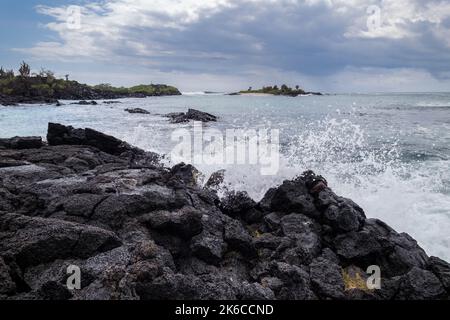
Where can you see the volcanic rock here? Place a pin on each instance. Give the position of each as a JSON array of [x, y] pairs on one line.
[[192, 114], [21, 143], [138, 230], [137, 111]]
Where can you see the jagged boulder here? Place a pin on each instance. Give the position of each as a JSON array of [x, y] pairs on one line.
[[215, 180], [209, 245], [326, 279], [379, 244], [291, 196], [185, 222], [192, 114], [236, 203], [238, 238], [33, 241], [66, 135], [442, 270], [419, 284], [296, 283], [304, 234], [344, 216], [185, 173]]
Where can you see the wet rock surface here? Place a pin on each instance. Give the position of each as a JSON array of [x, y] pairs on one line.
[[138, 230], [21, 143], [192, 114], [8, 100], [66, 135], [86, 103], [137, 111]]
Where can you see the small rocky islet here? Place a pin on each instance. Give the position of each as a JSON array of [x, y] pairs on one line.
[[139, 230], [283, 90]]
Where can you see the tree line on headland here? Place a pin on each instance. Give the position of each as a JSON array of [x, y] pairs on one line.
[[45, 87], [284, 90]]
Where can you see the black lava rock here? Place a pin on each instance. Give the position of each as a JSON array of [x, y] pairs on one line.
[[138, 230], [192, 114], [136, 110]]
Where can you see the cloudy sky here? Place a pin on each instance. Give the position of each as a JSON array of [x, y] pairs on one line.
[[224, 45]]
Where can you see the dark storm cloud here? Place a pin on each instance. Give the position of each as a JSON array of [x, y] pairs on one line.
[[314, 38]]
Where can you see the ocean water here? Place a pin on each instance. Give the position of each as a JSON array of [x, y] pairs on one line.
[[390, 153]]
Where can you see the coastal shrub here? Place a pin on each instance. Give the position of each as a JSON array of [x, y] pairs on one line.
[[42, 89], [47, 74], [6, 74], [103, 86], [4, 82], [7, 91], [153, 89]]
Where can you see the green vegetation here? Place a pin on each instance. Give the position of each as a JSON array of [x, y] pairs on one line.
[[44, 85], [284, 90], [6, 74], [144, 90]]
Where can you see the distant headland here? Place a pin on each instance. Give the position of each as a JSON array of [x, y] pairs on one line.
[[44, 87], [284, 90]]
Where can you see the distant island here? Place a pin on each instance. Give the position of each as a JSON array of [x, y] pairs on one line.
[[284, 90], [44, 87]]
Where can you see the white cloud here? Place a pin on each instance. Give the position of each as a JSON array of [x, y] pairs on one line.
[[105, 24], [318, 41], [397, 18]]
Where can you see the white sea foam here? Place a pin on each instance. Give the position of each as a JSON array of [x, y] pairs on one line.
[[411, 197], [193, 93]]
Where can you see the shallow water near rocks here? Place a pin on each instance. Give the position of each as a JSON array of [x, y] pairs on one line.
[[390, 153]]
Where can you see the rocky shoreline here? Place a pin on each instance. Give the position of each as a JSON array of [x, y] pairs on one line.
[[93, 95], [138, 230], [45, 88]]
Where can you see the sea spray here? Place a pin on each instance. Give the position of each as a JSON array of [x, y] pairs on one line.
[[404, 195], [387, 152]]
